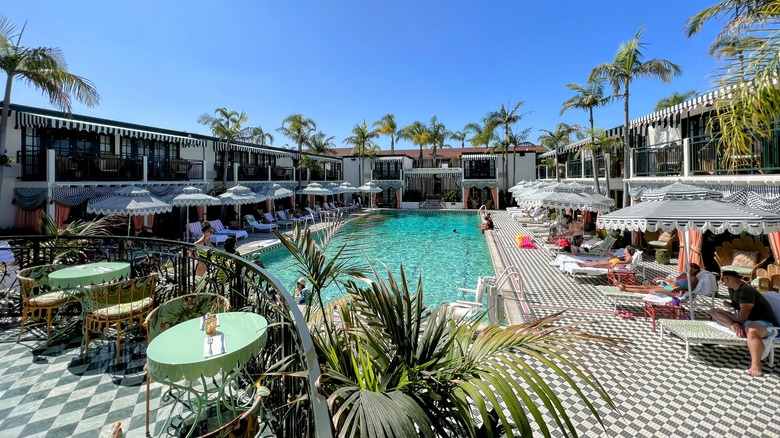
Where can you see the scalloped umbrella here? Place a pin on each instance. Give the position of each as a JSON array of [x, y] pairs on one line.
[[193, 197], [238, 196], [276, 191], [701, 215], [370, 187], [128, 201], [680, 191]]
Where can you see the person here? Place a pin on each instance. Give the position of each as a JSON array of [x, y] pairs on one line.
[[205, 240], [754, 316], [621, 260], [301, 292], [230, 246], [487, 224], [455, 230], [574, 228], [678, 284]]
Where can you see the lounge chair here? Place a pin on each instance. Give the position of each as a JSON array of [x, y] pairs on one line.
[[612, 294], [219, 228], [710, 332], [252, 224], [626, 275], [272, 220], [196, 233], [461, 309], [283, 217], [706, 286]]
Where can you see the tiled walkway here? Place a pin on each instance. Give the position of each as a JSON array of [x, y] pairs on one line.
[[657, 392], [54, 392]]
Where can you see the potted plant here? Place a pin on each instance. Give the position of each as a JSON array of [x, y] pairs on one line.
[[5, 161]]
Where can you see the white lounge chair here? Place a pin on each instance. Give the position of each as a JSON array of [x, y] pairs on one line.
[[272, 220], [629, 270], [196, 233], [219, 228], [706, 286], [283, 217], [253, 224]]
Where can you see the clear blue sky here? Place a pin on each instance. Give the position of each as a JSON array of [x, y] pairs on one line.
[[163, 63]]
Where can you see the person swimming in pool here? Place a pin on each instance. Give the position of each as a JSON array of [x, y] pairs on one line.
[[678, 284]]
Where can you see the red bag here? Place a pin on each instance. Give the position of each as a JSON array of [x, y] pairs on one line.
[[562, 243]]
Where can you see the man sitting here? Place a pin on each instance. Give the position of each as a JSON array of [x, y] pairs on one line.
[[754, 316]]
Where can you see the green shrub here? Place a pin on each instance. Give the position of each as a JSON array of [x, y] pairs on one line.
[[452, 195]]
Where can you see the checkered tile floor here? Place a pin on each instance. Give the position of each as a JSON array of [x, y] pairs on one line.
[[54, 392], [656, 391]]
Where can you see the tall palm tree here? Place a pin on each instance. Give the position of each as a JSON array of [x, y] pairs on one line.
[[629, 64], [228, 126], [673, 99], [749, 33], [608, 144], [387, 126], [557, 139], [437, 135], [460, 136], [362, 142], [256, 135], [43, 68], [298, 129], [588, 97], [418, 134], [506, 119], [482, 135], [322, 144]]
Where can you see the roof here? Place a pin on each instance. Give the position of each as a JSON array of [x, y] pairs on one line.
[[441, 153]]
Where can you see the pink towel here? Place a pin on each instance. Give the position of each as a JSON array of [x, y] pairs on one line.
[[526, 243]]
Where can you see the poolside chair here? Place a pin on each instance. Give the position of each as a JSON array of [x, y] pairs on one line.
[[173, 312], [706, 286], [335, 208], [252, 224], [710, 332], [38, 299], [196, 233], [612, 294], [122, 304], [627, 274], [272, 220], [219, 228], [283, 217], [461, 309]]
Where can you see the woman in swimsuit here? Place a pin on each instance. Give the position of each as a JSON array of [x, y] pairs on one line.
[[623, 259], [678, 284]]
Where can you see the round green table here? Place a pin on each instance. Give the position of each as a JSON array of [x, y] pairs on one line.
[[91, 273], [177, 355]]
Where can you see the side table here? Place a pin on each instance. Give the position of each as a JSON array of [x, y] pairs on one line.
[[656, 307]]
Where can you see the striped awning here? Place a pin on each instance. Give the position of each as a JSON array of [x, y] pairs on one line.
[[24, 119], [220, 146], [426, 172], [478, 157], [388, 158], [673, 113]]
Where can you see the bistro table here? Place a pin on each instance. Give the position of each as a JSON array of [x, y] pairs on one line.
[[91, 273], [176, 358]]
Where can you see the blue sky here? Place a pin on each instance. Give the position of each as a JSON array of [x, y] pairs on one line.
[[339, 62]]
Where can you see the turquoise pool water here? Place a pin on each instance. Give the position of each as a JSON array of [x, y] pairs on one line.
[[423, 241]]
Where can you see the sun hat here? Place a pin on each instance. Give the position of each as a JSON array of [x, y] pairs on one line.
[[301, 281]]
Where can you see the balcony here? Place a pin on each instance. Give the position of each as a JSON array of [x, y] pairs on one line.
[[574, 169], [479, 174], [256, 173], [665, 159], [386, 174], [107, 168]]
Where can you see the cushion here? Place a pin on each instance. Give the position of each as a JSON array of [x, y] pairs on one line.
[[123, 310], [745, 259], [49, 299], [741, 270], [665, 237]]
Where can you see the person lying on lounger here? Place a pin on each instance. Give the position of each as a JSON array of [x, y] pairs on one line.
[[623, 259], [678, 284]]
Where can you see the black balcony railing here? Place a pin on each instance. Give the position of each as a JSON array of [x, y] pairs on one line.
[[177, 170], [479, 174], [286, 365], [759, 158], [386, 174], [107, 168], [574, 169], [664, 159], [33, 166], [599, 163]]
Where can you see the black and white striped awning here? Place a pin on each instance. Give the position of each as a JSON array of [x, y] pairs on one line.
[[220, 146], [388, 158], [466, 157], [24, 119], [672, 114]]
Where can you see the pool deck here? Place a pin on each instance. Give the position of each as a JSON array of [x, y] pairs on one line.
[[54, 392], [656, 391]]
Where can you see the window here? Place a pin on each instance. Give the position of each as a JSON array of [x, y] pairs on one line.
[[134, 147], [32, 140], [106, 144]]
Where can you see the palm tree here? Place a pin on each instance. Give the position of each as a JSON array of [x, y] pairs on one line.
[[43, 68], [673, 99], [507, 119], [322, 144], [298, 129], [256, 135], [228, 126], [393, 367], [629, 64], [387, 126], [418, 134], [547, 163], [746, 117], [460, 136], [437, 135], [608, 144], [362, 143], [589, 96], [483, 135], [557, 139]]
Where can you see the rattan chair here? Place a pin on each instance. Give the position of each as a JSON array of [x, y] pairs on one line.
[[124, 304], [38, 300]]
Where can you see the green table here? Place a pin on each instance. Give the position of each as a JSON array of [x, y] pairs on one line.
[[91, 273], [175, 358]]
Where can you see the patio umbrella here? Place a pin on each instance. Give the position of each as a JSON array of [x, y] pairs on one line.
[[370, 187], [193, 197], [314, 189], [346, 187], [276, 191], [701, 215], [238, 196], [680, 191], [128, 201]]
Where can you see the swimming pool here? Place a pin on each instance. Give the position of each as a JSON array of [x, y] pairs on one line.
[[446, 248]]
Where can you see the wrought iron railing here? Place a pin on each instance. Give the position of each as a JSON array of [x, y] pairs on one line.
[[663, 159], [708, 159], [287, 362], [107, 168], [574, 168], [386, 174], [599, 163]]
